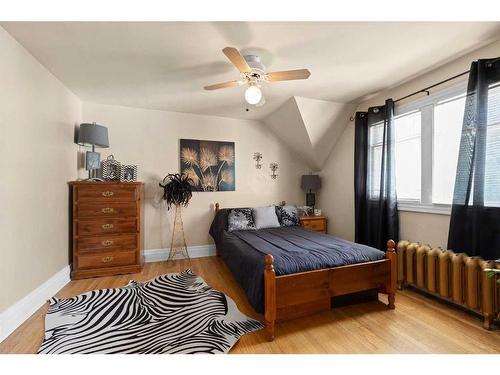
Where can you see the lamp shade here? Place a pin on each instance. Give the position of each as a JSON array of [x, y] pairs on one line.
[[93, 135], [310, 182]]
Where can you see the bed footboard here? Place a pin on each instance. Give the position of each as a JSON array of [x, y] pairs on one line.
[[391, 284], [305, 293], [270, 297]]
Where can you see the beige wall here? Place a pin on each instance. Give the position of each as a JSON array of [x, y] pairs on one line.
[[150, 139], [337, 195], [37, 156], [431, 229]]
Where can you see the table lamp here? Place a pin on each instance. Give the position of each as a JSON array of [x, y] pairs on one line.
[[310, 183], [93, 135]]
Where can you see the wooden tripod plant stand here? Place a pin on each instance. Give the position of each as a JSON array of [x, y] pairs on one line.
[[178, 243]]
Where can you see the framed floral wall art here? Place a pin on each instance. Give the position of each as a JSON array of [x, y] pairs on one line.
[[210, 164]]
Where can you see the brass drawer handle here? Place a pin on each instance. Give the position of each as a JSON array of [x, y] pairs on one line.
[[107, 210], [107, 259], [107, 193], [107, 243], [107, 226]]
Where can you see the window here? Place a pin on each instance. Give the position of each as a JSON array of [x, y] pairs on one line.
[[426, 167], [448, 117], [492, 165], [427, 135], [407, 156], [375, 139]]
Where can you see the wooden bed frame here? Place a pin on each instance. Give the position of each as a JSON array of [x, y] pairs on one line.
[[305, 293]]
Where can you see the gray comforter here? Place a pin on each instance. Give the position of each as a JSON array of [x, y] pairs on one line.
[[294, 249]]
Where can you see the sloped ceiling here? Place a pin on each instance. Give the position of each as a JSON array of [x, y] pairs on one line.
[[164, 65], [310, 127]]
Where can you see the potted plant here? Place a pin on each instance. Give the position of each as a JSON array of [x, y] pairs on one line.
[[177, 191], [491, 272]]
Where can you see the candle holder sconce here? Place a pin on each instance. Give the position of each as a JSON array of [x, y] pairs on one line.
[[257, 156], [274, 168]]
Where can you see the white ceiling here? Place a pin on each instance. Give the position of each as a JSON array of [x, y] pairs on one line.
[[165, 65]]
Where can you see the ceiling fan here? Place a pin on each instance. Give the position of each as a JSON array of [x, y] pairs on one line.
[[253, 74]]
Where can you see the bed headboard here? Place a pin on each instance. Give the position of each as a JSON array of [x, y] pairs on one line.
[[217, 205]]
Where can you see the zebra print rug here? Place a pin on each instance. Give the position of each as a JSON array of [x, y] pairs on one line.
[[174, 313]]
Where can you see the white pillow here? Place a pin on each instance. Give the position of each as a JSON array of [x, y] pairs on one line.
[[265, 217]]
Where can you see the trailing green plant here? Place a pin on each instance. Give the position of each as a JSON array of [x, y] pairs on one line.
[[491, 272], [177, 189]]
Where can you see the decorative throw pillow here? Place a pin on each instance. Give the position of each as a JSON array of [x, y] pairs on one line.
[[240, 219], [265, 217], [288, 215]]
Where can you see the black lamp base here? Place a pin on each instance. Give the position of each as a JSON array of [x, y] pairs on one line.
[[311, 200]]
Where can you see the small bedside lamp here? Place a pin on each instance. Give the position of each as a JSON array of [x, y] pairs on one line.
[[93, 135], [310, 183]]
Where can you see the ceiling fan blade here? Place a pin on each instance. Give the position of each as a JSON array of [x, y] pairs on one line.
[[287, 75], [222, 85], [236, 59]]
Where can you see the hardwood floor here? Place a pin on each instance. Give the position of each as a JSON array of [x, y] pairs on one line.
[[417, 325]]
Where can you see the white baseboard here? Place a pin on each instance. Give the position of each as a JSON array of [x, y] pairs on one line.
[[15, 315], [158, 255]]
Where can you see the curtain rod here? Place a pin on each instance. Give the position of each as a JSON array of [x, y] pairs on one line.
[[426, 89]]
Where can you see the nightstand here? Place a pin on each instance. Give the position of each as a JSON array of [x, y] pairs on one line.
[[316, 223]]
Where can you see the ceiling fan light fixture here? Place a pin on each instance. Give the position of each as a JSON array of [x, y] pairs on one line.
[[262, 101], [253, 73], [253, 95]]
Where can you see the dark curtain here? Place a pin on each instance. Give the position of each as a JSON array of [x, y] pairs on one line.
[[475, 221], [376, 212]]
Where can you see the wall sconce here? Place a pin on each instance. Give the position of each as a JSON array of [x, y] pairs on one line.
[[274, 168], [257, 156]]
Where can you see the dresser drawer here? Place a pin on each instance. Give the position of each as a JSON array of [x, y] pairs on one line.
[[318, 225], [307, 224], [106, 209], [119, 242], [106, 259], [106, 192], [105, 226]]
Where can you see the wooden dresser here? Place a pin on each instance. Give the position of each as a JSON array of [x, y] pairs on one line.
[[316, 223], [106, 228]]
